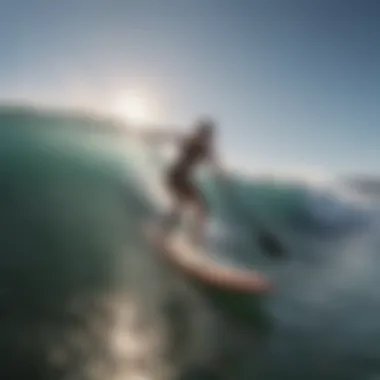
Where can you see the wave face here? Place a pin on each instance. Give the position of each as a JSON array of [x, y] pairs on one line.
[[83, 294]]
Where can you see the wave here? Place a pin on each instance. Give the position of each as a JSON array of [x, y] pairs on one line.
[[83, 294], [251, 201], [242, 200]]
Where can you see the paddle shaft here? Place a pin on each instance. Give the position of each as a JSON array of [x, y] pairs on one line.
[[266, 239]]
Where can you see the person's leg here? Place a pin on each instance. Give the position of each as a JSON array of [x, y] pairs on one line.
[[185, 194], [177, 193], [172, 219], [198, 207], [198, 231]]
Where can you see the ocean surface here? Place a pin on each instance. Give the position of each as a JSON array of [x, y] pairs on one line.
[[84, 296]]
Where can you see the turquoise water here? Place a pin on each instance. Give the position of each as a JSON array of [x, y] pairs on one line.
[[83, 295]]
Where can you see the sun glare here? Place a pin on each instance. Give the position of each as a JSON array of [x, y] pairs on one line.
[[133, 109]]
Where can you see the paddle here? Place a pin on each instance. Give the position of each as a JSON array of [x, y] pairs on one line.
[[267, 240], [270, 244]]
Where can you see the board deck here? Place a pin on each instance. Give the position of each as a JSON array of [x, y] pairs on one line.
[[194, 261]]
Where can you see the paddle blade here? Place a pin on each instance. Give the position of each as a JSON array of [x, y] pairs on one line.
[[271, 245]]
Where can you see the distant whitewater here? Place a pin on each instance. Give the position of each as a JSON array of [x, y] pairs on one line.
[[83, 294]]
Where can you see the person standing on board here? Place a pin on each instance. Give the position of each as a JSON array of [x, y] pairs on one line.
[[194, 149]]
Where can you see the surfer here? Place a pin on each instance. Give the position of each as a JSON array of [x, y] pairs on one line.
[[194, 149]]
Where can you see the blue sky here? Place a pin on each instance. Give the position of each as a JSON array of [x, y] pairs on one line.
[[293, 83]]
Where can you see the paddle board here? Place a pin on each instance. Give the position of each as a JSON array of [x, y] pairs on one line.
[[193, 260]]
